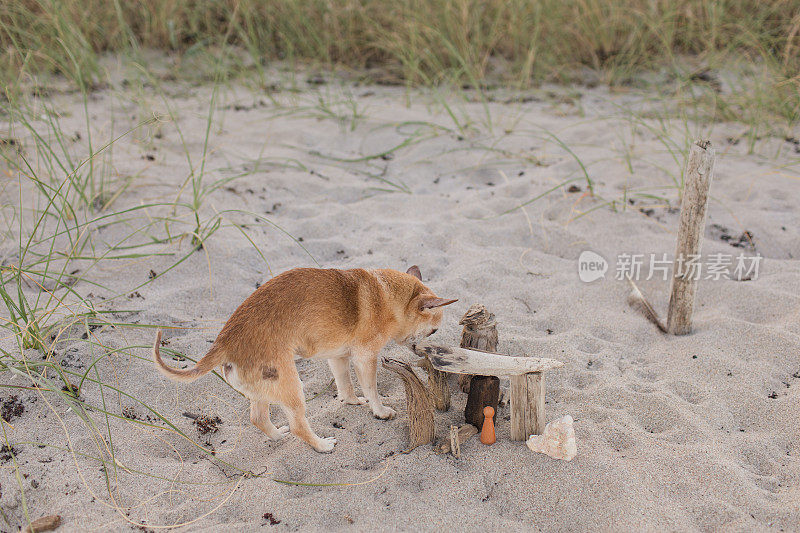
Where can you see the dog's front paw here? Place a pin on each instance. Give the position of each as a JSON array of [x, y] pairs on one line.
[[384, 413], [325, 445], [355, 400], [279, 433]]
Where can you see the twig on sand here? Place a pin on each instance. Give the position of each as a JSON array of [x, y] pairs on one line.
[[638, 301], [458, 436]]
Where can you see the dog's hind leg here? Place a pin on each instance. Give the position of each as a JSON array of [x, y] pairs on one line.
[[259, 416], [289, 392]]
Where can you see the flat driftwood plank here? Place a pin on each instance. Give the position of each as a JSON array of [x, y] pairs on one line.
[[464, 361]]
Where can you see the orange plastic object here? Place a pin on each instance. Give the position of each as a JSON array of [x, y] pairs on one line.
[[487, 431]]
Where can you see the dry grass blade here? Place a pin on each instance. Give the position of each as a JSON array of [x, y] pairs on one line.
[[637, 300]]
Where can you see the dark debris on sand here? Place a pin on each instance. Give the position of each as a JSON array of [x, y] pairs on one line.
[[745, 240], [205, 424], [7, 453], [269, 517], [11, 408]]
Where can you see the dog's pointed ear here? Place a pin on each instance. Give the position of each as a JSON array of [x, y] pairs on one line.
[[414, 271], [432, 301]]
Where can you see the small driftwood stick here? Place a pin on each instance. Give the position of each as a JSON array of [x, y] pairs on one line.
[[418, 403], [699, 173], [455, 445], [479, 333], [437, 385], [463, 434], [527, 405]]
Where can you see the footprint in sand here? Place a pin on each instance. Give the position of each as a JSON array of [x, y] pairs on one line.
[[583, 380], [619, 438], [655, 415], [641, 388], [688, 391], [761, 467], [590, 346]]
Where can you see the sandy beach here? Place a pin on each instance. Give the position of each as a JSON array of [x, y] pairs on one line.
[[490, 198]]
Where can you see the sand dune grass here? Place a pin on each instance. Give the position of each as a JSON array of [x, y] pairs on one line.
[[422, 42]]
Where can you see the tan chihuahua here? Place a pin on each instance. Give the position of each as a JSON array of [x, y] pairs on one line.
[[338, 315]]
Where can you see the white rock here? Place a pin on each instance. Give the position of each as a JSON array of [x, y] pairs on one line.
[[557, 441]]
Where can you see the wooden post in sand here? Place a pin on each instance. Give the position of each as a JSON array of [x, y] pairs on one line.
[[699, 173], [526, 373], [480, 333], [527, 405]]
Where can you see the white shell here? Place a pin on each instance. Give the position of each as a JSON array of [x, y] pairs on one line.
[[557, 441]]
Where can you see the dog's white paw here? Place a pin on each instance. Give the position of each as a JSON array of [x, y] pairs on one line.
[[385, 413], [279, 433], [355, 400], [325, 445]]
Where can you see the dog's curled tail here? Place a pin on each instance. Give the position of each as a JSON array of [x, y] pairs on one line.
[[209, 362]]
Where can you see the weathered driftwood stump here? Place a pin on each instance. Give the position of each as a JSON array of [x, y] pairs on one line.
[[437, 385], [418, 404], [526, 373], [479, 333]]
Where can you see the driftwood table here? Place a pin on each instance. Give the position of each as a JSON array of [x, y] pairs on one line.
[[526, 373]]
